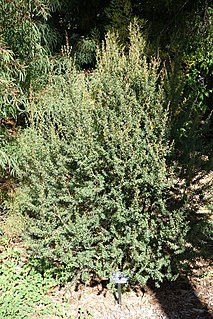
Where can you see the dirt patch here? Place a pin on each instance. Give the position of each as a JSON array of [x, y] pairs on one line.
[[184, 299]]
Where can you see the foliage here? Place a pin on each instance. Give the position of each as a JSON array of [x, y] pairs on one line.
[[90, 170], [25, 43], [190, 94], [23, 290], [181, 34], [198, 63], [10, 71], [119, 14], [94, 178], [86, 53], [8, 169], [12, 226]]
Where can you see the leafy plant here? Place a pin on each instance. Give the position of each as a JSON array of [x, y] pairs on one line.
[[119, 14], [23, 290], [86, 53], [94, 178], [26, 41]]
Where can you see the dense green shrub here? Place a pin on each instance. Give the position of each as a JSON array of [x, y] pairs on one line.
[[94, 178]]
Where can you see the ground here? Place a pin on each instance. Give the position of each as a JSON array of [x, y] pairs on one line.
[[186, 298]]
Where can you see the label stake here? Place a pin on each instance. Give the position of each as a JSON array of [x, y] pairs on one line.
[[119, 278]]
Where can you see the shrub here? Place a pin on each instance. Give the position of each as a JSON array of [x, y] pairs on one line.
[[85, 53], [94, 175]]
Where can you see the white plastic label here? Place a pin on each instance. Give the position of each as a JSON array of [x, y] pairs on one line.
[[119, 278]]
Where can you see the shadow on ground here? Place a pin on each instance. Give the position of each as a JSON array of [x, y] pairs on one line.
[[179, 300]]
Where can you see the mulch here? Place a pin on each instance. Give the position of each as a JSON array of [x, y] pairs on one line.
[[186, 298]]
